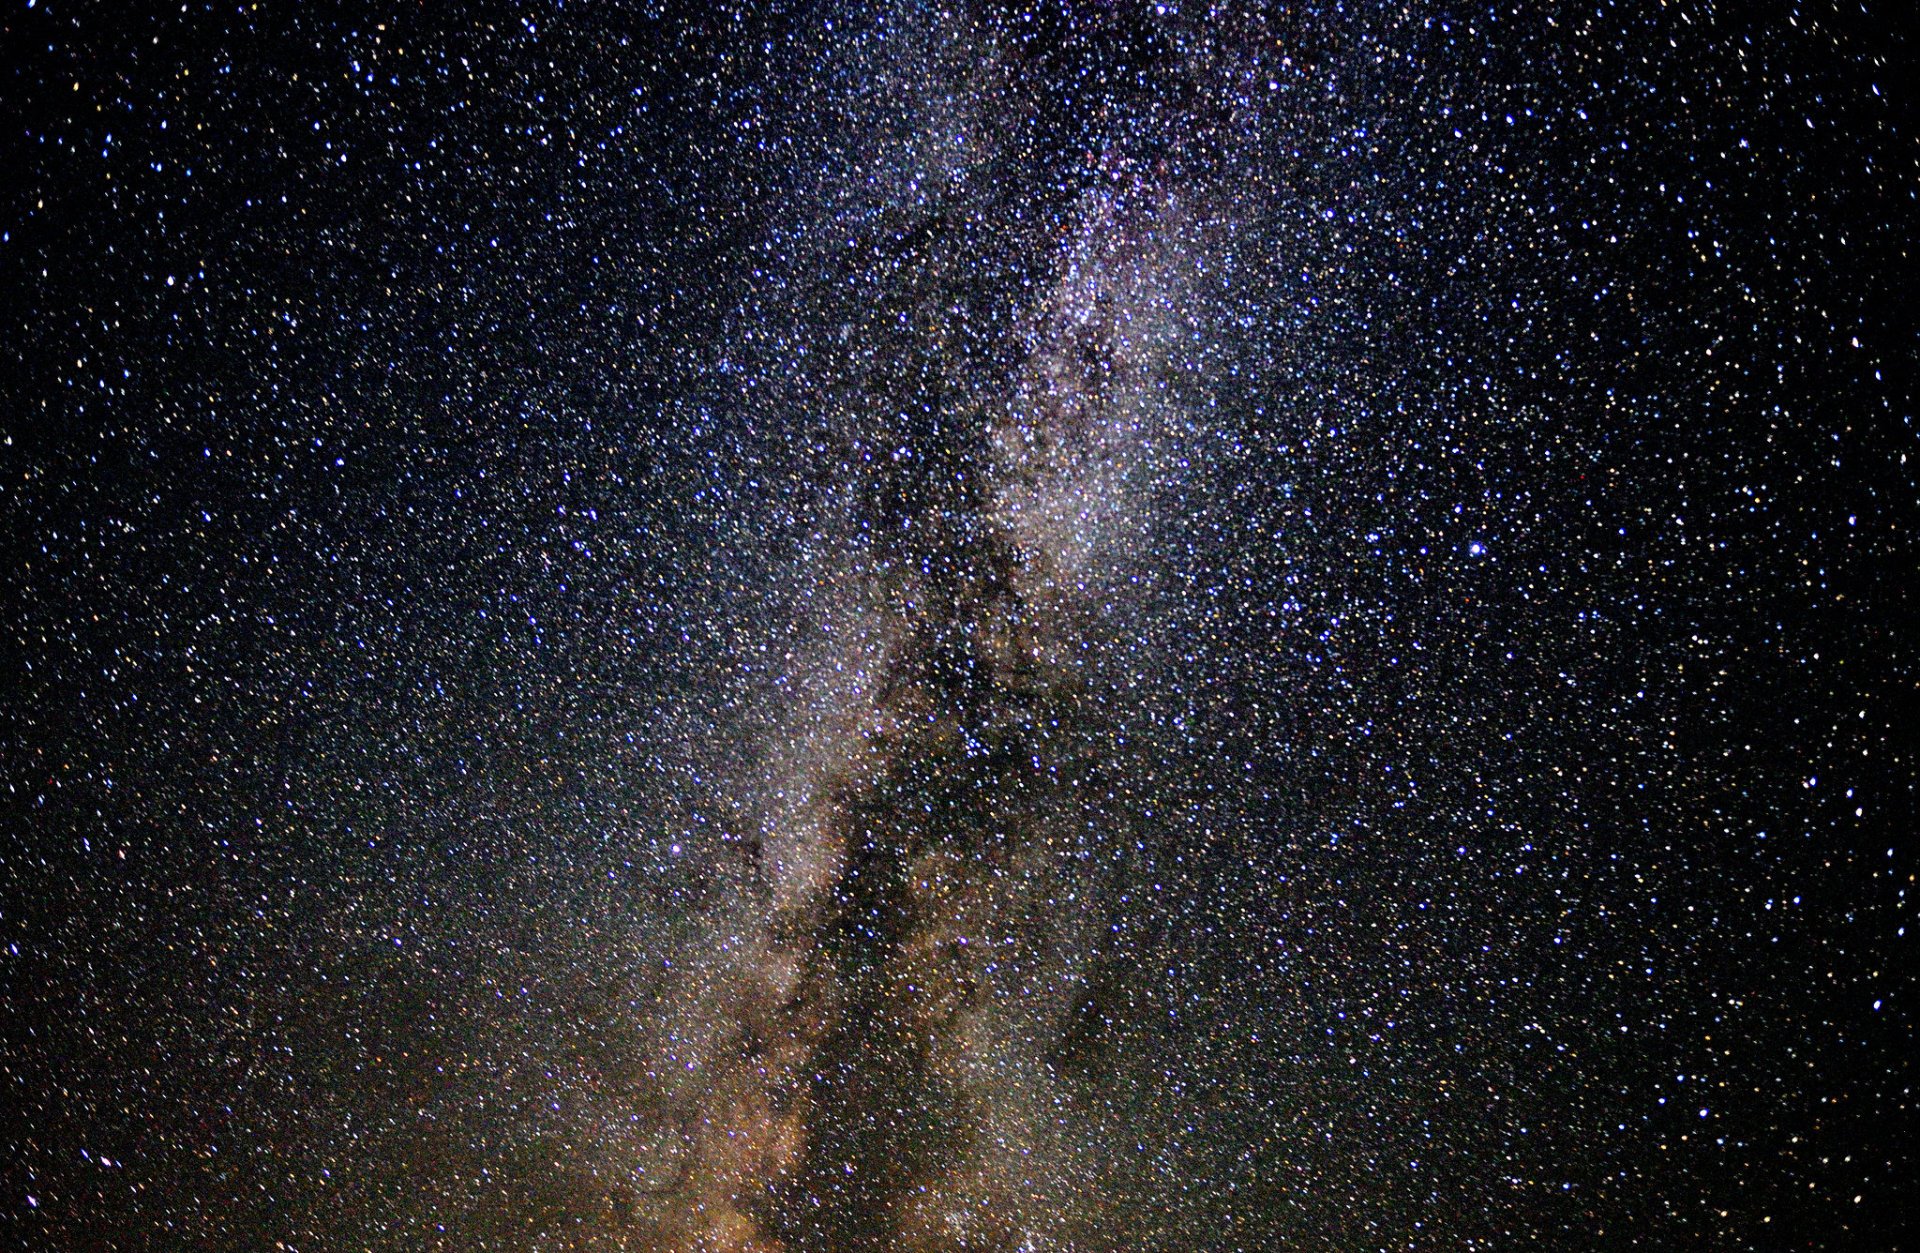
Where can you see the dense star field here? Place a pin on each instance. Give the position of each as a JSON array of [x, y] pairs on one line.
[[825, 627]]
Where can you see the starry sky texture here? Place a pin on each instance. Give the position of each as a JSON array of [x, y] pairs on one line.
[[827, 627]]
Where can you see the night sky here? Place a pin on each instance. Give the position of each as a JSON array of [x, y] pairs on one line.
[[802, 628]]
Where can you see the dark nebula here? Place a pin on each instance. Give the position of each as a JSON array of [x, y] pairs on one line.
[[1097, 627]]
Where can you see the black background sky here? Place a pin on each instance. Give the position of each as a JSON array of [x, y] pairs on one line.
[[431, 433]]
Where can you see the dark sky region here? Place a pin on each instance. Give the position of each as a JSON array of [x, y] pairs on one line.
[[799, 628]]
